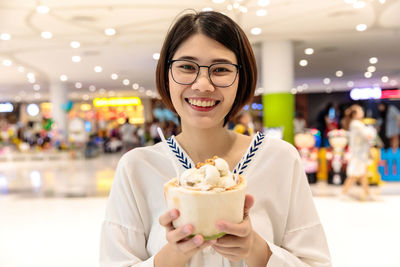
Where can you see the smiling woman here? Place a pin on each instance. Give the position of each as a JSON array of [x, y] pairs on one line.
[[206, 74]]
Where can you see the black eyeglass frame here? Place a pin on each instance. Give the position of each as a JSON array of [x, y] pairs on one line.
[[238, 66]]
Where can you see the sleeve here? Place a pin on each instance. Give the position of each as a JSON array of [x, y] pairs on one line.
[[123, 240], [304, 242]]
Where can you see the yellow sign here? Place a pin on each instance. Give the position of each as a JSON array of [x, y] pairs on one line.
[[117, 101]]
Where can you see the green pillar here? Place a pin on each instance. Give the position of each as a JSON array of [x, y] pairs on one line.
[[278, 111]]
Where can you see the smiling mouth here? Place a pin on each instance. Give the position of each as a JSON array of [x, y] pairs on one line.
[[202, 103]]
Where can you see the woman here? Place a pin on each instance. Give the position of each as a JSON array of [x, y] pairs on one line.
[[206, 74], [359, 145]]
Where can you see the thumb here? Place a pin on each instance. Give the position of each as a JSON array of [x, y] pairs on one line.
[[248, 203]]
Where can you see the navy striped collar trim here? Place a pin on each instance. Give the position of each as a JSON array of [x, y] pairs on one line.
[[251, 152], [187, 163]]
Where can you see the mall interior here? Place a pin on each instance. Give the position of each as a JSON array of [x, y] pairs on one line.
[[77, 91]]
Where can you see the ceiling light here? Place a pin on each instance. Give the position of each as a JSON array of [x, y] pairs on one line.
[[92, 88], [149, 92], [21, 69], [385, 79], [229, 7], [367, 74], [98, 69], [361, 27], [156, 56], [114, 76], [218, 1], [111, 93], [243, 9], [382, 1], [309, 51], [393, 82], [326, 81], [78, 85], [30, 75], [36, 87], [339, 73], [46, 35], [32, 80], [36, 95], [206, 9], [18, 98], [261, 12], [359, 4], [373, 60], [293, 91], [135, 86], [371, 69], [42, 9], [236, 5], [63, 78], [126, 82], [102, 91], [303, 62], [75, 44], [5, 36], [76, 59], [263, 2], [85, 97], [7, 62], [110, 31], [255, 31]]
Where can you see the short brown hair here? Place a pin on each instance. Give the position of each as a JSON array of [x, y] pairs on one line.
[[222, 29]]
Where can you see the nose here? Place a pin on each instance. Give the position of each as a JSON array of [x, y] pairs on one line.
[[203, 83]]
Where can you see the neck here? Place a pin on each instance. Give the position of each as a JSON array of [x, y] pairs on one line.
[[201, 144]]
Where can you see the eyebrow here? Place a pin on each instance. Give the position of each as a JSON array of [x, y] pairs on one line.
[[219, 60]]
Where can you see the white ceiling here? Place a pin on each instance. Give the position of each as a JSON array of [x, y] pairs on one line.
[[328, 26]]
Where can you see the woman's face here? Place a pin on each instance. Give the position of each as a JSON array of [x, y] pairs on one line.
[[359, 113], [201, 104]]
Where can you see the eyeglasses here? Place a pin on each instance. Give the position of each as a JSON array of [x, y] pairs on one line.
[[185, 72]]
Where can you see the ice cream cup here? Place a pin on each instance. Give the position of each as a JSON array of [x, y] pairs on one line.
[[203, 209]]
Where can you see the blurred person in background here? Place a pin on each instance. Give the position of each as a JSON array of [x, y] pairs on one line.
[[127, 131], [244, 124], [360, 139], [389, 125], [299, 122]]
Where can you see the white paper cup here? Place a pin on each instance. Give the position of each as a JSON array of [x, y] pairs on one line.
[[203, 209]]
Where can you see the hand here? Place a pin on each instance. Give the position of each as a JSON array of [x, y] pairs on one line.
[[238, 242], [178, 239]]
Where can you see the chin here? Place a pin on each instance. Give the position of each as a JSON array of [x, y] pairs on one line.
[[204, 123]]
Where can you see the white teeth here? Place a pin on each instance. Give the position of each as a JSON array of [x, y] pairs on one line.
[[200, 103]]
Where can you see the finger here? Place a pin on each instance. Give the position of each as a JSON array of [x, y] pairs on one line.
[[193, 243], [231, 241], [238, 229], [167, 218], [248, 203], [179, 234], [228, 254], [228, 251]]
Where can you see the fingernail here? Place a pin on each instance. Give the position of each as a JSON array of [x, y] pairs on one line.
[[186, 229], [221, 226], [197, 240], [173, 214]]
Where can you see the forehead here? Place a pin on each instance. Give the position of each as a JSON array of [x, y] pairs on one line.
[[204, 49]]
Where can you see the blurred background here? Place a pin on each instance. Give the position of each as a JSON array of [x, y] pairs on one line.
[[77, 90]]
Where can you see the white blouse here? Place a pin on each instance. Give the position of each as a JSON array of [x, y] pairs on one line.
[[283, 213]]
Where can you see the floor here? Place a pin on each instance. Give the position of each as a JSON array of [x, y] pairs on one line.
[[51, 212]]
